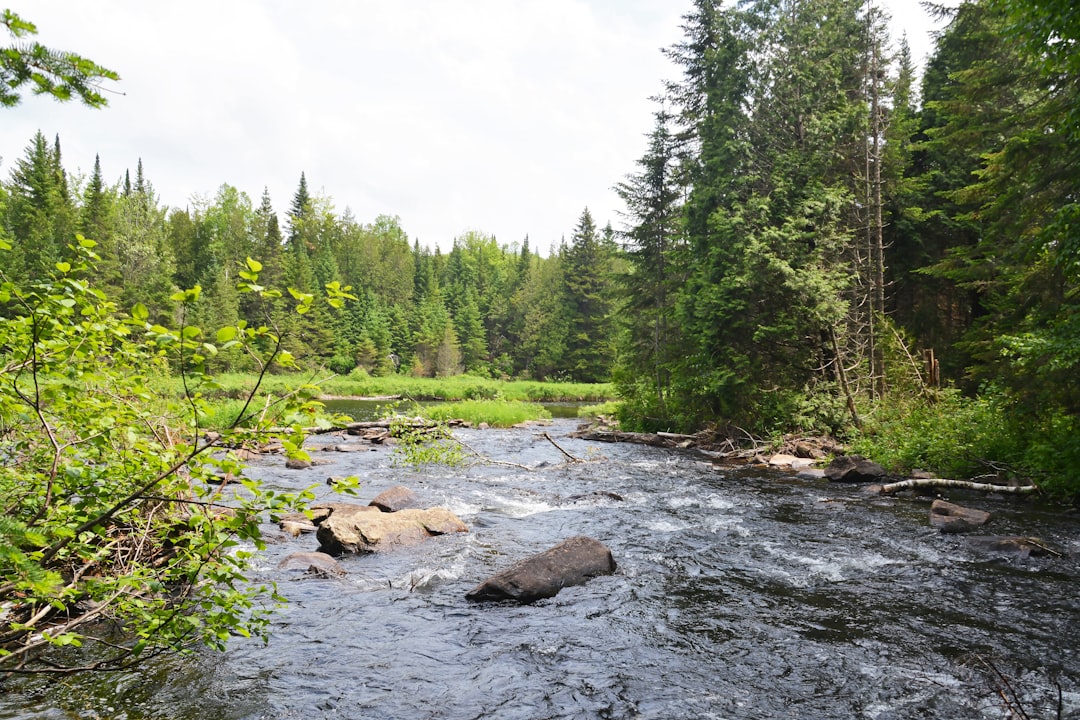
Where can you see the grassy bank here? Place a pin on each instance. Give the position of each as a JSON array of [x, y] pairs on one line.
[[460, 387], [964, 437], [496, 413], [500, 403]]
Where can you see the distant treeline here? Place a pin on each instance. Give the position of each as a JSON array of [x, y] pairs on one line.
[[482, 308]]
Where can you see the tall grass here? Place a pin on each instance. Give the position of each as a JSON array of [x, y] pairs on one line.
[[497, 413], [460, 387]]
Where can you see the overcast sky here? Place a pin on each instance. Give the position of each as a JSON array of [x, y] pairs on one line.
[[503, 116]]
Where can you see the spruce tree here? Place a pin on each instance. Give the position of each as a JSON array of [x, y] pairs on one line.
[[587, 275], [40, 215], [653, 237]]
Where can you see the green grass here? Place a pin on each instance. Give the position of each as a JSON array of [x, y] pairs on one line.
[[499, 403], [466, 387], [460, 387], [608, 409], [496, 413]]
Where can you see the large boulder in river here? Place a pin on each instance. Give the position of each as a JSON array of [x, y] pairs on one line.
[[853, 468], [950, 518], [572, 562], [365, 529]]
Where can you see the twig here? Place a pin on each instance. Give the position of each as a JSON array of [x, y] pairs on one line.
[[486, 459], [567, 455]]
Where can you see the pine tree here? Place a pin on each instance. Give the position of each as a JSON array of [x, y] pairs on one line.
[[999, 110], [587, 275], [97, 221], [143, 249], [40, 215], [653, 237], [545, 325], [298, 211], [61, 74]]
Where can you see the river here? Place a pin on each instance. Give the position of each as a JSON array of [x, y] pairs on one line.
[[739, 594]]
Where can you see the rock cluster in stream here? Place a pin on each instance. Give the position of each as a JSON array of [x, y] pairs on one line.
[[390, 521]]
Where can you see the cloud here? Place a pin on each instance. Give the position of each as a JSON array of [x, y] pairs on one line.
[[504, 116]]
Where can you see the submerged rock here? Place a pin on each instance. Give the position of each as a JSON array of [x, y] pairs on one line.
[[1012, 545], [572, 562], [950, 518], [312, 562], [365, 529]]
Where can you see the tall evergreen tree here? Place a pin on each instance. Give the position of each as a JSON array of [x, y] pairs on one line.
[[1010, 118], [40, 215], [545, 325], [298, 211], [143, 249], [653, 237], [587, 276]]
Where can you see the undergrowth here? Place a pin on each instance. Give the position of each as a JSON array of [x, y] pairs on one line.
[[952, 435]]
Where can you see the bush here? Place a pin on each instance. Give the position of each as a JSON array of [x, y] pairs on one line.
[[114, 506], [341, 364], [957, 436]]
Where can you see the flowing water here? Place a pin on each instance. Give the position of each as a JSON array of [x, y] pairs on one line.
[[739, 594]]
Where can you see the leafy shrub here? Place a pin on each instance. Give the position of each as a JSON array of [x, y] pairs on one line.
[[113, 503], [952, 435]]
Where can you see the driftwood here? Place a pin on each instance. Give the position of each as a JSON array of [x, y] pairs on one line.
[[569, 458], [662, 439], [946, 483], [354, 428]]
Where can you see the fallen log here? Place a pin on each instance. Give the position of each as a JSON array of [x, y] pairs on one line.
[[947, 483]]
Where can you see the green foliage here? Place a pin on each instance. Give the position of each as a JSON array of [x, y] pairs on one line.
[[607, 409], [496, 413], [113, 505], [587, 279], [63, 75], [956, 436], [424, 444], [953, 435], [460, 387]]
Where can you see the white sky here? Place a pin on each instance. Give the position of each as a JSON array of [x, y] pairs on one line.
[[503, 116]]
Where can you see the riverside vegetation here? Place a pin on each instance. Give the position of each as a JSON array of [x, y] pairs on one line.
[[812, 243]]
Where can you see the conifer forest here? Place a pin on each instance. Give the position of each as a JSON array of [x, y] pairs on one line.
[[815, 238]]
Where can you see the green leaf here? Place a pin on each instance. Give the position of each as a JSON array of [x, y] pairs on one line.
[[63, 267], [226, 334], [301, 296], [254, 265], [139, 312]]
